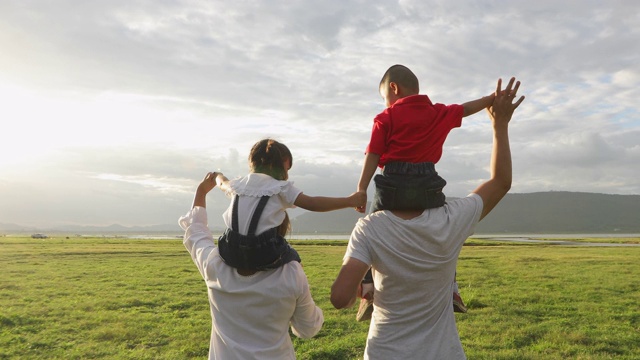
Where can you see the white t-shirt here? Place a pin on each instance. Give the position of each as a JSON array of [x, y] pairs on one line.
[[415, 263], [251, 188], [250, 315]]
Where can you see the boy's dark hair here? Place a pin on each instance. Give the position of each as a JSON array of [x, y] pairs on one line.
[[402, 76]]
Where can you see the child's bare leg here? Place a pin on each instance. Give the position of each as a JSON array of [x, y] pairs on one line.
[[366, 303], [458, 304]]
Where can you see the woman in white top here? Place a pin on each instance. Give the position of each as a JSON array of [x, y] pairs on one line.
[[252, 310]]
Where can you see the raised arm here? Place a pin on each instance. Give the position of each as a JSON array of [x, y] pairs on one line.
[[474, 106], [198, 240], [208, 183], [493, 190]]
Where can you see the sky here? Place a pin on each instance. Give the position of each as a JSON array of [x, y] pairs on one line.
[[113, 111]]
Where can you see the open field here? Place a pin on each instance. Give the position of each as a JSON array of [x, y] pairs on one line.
[[143, 299]]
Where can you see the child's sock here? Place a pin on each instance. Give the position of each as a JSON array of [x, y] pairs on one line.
[[367, 290]]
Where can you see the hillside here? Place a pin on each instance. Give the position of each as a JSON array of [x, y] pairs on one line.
[[542, 213], [555, 212], [564, 212]]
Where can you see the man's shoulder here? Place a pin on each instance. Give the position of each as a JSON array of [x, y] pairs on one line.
[[462, 208], [470, 200], [366, 225], [471, 197]]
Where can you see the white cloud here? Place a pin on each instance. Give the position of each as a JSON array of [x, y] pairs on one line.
[[156, 94]]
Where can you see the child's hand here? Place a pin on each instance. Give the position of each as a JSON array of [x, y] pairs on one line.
[[208, 183], [222, 182], [360, 198]]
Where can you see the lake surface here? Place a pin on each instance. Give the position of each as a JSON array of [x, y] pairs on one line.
[[526, 240], [549, 239], [481, 236]]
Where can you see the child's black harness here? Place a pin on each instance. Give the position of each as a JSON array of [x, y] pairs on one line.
[[268, 250]]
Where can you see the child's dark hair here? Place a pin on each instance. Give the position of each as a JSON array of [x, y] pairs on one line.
[[402, 76], [268, 156]]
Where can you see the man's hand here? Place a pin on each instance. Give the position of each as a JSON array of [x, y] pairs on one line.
[[493, 190], [503, 107], [361, 201]]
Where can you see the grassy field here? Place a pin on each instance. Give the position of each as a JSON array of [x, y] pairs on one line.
[[143, 299]]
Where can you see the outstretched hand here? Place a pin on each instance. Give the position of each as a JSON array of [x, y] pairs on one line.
[[503, 105], [208, 183], [361, 201]]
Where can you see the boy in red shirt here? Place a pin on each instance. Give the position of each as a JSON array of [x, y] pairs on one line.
[[406, 142]]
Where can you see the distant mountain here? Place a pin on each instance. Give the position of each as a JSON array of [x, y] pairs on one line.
[[564, 212], [332, 222], [116, 228], [16, 228], [543, 213], [84, 229], [555, 212]]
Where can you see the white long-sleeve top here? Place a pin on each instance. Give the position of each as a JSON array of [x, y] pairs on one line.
[[250, 314]]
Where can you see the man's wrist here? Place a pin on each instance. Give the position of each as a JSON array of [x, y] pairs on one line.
[[501, 125]]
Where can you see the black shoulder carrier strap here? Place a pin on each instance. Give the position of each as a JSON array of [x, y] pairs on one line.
[[256, 252], [254, 218]]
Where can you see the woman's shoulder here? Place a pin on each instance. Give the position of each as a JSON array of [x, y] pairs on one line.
[[294, 272]]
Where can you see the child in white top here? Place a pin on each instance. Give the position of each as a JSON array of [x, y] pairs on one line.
[[262, 246]]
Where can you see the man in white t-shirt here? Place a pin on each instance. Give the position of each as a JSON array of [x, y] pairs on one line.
[[414, 256]]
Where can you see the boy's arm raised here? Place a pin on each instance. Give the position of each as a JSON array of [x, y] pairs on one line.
[[473, 106]]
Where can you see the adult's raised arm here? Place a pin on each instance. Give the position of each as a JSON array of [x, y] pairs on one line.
[[493, 190], [208, 183]]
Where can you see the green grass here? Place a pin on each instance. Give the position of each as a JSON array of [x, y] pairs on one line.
[[144, 299], [623, 240], [552, 241]]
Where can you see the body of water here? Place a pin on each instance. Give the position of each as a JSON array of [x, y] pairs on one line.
[[482, 236], [549, 239]]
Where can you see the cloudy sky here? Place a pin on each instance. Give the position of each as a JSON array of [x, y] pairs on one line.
[[113, 111]]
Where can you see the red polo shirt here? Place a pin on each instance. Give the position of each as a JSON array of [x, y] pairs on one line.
[[413, 130]]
